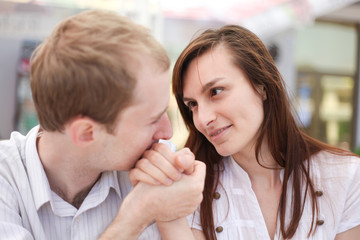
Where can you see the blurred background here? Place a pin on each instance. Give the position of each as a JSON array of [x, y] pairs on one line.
[[315, 44]]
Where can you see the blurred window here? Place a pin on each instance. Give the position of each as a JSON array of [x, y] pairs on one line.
[[326, 61]]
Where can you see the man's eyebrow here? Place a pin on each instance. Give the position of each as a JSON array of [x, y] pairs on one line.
[[206, 87], [159, 115]]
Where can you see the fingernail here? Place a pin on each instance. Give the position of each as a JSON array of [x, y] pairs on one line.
[[168, 181], [181, 160], [178, 176]]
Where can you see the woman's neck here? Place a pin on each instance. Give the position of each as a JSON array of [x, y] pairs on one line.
[[264, 170]]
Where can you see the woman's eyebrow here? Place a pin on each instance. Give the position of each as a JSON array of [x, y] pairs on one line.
[[206, 87]]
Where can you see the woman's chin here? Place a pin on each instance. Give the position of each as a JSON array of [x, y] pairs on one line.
[[223, 152]]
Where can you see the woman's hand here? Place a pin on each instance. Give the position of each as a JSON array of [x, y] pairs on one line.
[[160, 165]]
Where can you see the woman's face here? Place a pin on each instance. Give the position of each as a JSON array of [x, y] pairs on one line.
[[226, 108]]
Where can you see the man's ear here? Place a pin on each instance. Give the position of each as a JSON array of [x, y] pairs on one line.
[[82, 131]]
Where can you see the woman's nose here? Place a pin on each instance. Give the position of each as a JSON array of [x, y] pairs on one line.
[[205, 116]]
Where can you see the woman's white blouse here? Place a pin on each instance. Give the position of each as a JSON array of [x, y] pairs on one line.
[[237, 214]]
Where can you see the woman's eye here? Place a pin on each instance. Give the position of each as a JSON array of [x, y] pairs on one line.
[[191, 105], [216, 91]]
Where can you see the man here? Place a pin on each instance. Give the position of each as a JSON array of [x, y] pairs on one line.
[[100, 85]]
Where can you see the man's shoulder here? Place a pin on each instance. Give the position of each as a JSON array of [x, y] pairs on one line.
[[12, 152]]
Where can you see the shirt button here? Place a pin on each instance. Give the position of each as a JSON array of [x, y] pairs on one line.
[[217, 195], [320, 222], [318, 193], [77, 219], [219, 229]]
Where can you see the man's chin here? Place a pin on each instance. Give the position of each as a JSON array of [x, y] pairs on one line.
[[141, 156]]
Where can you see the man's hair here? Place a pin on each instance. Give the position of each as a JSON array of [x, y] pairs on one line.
[[82, 68]]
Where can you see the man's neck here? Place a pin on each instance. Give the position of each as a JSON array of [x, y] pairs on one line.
[[78, 199], [65, 170]]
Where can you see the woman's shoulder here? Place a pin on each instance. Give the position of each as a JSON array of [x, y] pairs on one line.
[[331, 164], [336, 158]]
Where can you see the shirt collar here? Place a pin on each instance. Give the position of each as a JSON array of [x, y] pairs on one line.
[[39, 183], [239, 171], [98, 193], [102, 187]]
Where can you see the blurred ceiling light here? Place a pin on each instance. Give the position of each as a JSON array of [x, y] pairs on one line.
[[19, 1]]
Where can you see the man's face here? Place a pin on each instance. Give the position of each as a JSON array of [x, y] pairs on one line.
[[145, 121]]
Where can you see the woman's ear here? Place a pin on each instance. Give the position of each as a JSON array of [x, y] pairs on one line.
[[261, 90], [264, 95]]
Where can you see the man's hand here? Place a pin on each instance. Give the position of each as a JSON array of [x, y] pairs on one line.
[[160, 165], [167, 186], [166, 203]]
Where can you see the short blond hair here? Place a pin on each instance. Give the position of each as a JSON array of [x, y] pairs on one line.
[[82, 69]]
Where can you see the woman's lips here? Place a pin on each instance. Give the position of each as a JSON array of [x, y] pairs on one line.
[[218, 133]]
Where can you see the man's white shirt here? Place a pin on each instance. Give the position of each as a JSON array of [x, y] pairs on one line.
[[31, 210]]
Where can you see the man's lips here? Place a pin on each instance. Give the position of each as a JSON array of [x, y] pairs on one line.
[[148, 148]]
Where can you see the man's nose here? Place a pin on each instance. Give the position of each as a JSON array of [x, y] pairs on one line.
[[164, 129]]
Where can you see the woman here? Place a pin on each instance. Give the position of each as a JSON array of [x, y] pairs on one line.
[[265, 178], [234, 104]]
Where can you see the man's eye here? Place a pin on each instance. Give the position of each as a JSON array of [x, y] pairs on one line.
[[155, 121], [191, 105], [216, 91]]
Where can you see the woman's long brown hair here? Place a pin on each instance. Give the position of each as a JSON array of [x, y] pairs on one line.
[[289, 147]]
